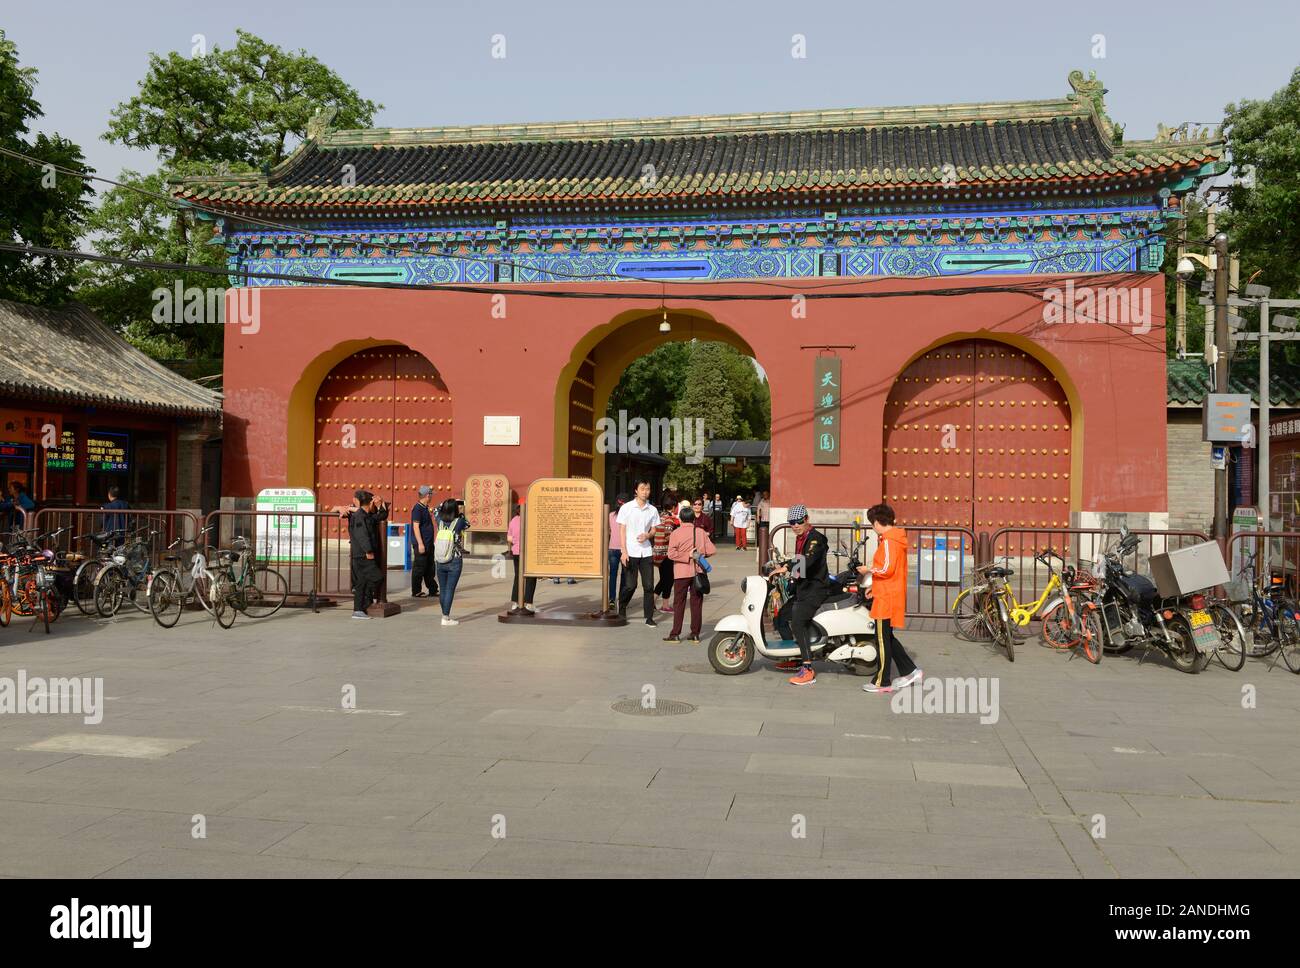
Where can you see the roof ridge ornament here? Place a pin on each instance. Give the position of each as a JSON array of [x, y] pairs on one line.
[[1188, 133], [1093, 91], [319, 123]]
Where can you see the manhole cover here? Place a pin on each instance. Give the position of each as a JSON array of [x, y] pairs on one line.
[[663, 707], [700, 668]]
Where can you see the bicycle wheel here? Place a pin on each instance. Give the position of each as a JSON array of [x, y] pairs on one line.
[[83, 586], [1231, 652], [1093, 641], [109, 586], [1289, 636], [223, 601], [166, 599], [265, 592], [203, 582], [999, 617], [1061, 630], [970, 615]]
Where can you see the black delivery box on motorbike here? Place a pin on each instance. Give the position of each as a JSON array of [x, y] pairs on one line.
[[1190, 569]]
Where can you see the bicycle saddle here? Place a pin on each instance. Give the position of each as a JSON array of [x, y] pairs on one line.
[[1000, 572]]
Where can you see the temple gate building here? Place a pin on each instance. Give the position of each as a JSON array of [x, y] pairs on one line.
[[986, 276]]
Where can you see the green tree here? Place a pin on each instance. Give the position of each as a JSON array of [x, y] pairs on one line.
[[1264, 218], [245, 108], [41, 207], [652, 383]]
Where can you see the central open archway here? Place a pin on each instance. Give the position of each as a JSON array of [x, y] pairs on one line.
[[598, 362]]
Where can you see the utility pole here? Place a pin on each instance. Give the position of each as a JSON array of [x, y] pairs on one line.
[[1223, 347], [1180, 296]]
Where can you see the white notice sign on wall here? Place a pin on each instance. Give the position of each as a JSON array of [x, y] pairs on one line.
[[502, 431]]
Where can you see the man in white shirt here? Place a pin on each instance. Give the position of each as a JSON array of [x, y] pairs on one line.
[[740, 523], [637, 521]]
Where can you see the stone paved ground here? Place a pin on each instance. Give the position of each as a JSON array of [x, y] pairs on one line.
[[459, 729]]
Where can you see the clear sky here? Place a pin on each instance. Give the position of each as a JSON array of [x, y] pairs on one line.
[[431, 63]]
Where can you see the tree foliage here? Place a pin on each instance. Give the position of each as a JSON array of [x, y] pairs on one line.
[[245, 108], [41, 206], [1264, 217]]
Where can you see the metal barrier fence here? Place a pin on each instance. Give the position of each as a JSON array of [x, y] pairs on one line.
[[158, 528], [1253, 555], [940, 559], [311, 549], [1019, 548]]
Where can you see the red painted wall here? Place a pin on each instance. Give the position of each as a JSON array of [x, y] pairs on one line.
[[510, 366]]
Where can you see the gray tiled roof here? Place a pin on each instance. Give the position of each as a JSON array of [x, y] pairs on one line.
[[1187, 382], [69, 356]]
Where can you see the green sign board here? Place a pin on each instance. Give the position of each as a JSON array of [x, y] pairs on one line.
[[826, 410]]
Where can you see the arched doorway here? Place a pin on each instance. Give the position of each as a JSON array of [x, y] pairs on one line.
[[383, 423], [978, 435], [598, 363]]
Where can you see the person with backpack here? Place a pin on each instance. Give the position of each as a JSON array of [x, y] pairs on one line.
[[687, 547], [448, 553]]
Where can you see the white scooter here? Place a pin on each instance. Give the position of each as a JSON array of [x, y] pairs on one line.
[[843, 630]]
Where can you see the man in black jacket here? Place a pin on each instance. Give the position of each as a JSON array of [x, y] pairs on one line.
[[363, 526], [811, 587]]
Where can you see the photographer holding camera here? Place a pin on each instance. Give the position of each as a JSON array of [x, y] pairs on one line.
[[364, 520]]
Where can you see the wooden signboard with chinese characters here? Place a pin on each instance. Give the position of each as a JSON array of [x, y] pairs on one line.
[[564, 529], [30, 427], [487, 502], [826, 410]]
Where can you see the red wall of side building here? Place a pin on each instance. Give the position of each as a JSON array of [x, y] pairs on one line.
[[510, 365]]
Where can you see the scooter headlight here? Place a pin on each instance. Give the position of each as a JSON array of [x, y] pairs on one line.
[[742, 585]]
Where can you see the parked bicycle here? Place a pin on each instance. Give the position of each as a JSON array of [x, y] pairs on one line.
[[1270, 614], [983, 610], [180, 579], [125, 576], [83, 579], [30, 584], [240, 583], [1072, 620]]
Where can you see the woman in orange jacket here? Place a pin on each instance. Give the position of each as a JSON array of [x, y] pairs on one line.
[[889, 600]]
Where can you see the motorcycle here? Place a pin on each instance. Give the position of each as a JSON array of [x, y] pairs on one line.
[[1133, 613], [842, 630]]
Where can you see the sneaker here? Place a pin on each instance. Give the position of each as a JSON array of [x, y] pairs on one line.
[[872, 687], [907, 680], [555, 581], [806, 677], [694, 640], [788, 665], [671, 638], [573, 581], [528, 607], [448, 620], [360, 615], [651, 622], [418, 595]]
